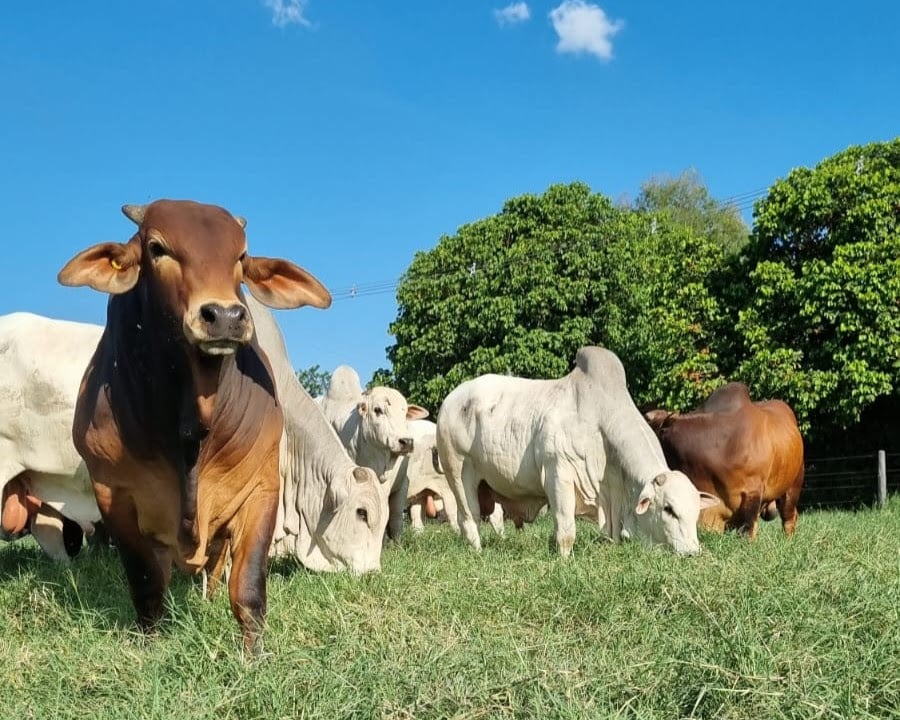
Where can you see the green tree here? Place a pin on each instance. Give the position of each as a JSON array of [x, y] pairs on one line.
[[314, 380], [519, 292], [818, 317], [687, 201]]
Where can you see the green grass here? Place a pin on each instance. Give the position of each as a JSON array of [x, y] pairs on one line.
[[800, 628]]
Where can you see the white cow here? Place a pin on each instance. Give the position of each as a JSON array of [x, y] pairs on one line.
[[422, 474], [332, 512], [578, 443], [425, 475], [373, 426], [44, 480]]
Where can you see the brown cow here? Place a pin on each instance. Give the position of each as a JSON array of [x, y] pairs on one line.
[[177, 417], [749, 454]]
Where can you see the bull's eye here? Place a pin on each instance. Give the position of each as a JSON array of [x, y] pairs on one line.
[[668, 509], [242, 257], [378, 411], [363, 515], [157, 249]]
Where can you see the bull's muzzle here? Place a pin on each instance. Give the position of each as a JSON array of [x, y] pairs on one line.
[[220, 329]]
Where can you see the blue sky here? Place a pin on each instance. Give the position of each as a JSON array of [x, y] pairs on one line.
[[352, 134]]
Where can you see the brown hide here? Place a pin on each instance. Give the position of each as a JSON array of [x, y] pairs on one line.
[[177, 417], [749, 454]]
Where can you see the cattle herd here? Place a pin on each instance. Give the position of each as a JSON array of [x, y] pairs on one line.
[[181, 429]]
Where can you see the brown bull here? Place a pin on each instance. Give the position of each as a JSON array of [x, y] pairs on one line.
[[749, 454], [177, 417]]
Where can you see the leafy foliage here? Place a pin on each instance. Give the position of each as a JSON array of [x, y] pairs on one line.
[[687, 201], [819, 321], [314, 380], [521, 291]]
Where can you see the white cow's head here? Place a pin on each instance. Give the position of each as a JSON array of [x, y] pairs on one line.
[[383, 414], [351, 528], [666, 513]]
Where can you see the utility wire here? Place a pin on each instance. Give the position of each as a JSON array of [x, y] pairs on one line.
[[739, 202]]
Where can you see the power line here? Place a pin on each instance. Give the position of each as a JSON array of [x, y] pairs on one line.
[[739, 202]]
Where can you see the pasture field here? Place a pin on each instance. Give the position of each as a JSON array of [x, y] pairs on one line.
[[801, 628]]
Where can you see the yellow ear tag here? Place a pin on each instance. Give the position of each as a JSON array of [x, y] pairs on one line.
[[115, 264]]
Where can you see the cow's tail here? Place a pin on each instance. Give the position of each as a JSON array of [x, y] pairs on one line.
[[436, 460]]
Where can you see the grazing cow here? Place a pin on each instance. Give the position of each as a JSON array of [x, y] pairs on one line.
[[749, 454], [373, 426], [177, 417], [46, 489], [577, 443], [331, 514]]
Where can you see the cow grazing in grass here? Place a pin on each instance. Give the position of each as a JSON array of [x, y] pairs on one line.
[[332, 511], [578, 444], [177, 418], [373, 426], [749, 454]]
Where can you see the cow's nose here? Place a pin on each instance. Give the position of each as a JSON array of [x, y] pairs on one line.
[[406, 444], [224, 322]]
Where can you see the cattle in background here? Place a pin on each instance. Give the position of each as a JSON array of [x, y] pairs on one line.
[[577, 443], [45, 484], [427, 483], [749, 454], [331, 514], [373, 426], [177, 417]]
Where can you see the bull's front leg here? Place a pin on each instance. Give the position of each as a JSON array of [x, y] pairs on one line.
[[147, 564], [253, 528]]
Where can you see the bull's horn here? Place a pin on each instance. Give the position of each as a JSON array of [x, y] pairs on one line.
[[660, 480], [135, 213], [242, 221]]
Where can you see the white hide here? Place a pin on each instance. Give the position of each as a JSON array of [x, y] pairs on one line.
[[374, 428], [331, 515], [578, 443], [41, 364]]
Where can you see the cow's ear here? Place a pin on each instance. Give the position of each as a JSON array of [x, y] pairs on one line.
[[708, 501], [108, 267], [415, 412], [281, 284], [643, 504], [363, 407]]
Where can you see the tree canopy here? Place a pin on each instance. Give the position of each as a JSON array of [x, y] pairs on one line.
[[806, 308], [521, 291], [818, 311], [314, 380]]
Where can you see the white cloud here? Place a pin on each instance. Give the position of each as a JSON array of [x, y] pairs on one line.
[[287, 12], [513, 13], [584, 27]]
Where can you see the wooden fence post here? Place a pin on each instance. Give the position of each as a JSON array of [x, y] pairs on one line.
[[882, 479]]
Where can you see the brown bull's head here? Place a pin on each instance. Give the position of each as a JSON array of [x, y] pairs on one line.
[[191, 259]]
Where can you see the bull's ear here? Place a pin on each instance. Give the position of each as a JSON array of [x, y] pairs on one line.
[[363, 407], [708, 501], [281, 284], [415, 412], [108, 267]]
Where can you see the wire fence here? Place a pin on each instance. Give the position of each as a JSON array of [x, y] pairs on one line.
[[849, 481]]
